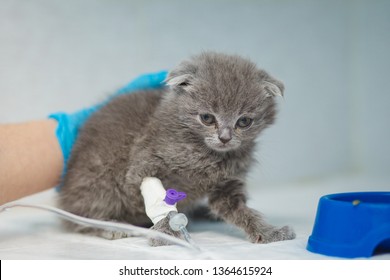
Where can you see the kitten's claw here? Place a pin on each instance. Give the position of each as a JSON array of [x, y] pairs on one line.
[[162, 226], [273, 235]]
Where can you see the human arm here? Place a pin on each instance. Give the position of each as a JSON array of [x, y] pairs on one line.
[[33, 155], [30, 158]]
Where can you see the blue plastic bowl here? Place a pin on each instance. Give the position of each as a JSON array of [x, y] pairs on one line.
[[352, 225]]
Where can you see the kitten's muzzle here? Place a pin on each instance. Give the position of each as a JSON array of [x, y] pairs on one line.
[[225, 135]]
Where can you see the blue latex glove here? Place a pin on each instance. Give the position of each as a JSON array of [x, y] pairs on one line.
[[69, 124]]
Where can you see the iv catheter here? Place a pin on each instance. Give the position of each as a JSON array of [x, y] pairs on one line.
[[160, 204]]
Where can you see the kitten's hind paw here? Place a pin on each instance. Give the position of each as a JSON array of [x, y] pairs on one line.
[[113, 235], [273, 235], [106, 234], [163, 226]]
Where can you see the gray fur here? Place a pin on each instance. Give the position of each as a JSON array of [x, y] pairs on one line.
[[159, 133]]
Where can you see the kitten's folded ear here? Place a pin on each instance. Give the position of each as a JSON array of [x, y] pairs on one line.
[[272, 86], [182, 80], [181, 77]]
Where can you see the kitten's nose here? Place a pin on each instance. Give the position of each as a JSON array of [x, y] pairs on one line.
[[225, 135]]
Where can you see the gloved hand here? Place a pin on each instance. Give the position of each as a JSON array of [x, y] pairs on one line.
[[69, 124]]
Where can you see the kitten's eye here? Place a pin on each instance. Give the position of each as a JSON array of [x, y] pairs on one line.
[[244, 122], [207, 119]]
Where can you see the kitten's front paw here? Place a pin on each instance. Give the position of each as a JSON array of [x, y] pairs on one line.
[[273, 234], [163, 226]]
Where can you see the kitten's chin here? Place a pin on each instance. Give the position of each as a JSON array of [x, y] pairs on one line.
[[222, 149]]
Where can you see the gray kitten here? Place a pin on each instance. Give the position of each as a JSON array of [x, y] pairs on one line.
[[196, 135]]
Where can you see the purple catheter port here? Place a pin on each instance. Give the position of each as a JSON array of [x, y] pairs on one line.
[[173, 196]]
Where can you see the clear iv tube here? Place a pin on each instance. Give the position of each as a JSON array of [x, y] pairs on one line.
[[108, 225]]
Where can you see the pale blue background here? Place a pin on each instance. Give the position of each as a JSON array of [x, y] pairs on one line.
[[333, 57]]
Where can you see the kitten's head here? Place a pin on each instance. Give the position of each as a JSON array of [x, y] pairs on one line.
[[223, 101]]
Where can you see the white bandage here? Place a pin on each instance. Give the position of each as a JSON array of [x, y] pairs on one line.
[[154, 193]]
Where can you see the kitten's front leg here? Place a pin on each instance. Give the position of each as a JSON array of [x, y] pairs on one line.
[[135, 174], [228, 200]]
